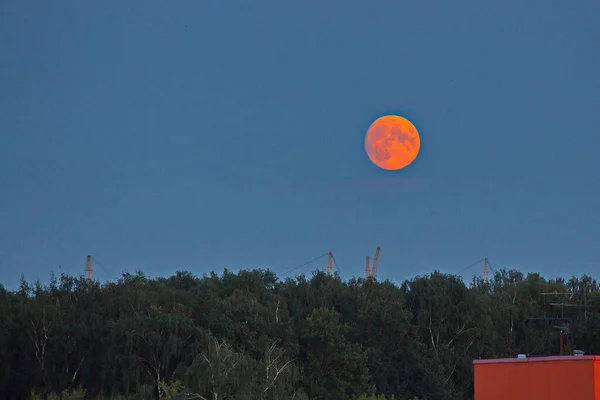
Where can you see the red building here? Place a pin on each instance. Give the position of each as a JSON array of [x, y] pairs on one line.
[[538, 378]]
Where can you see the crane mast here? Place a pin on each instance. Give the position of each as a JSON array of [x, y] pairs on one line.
[[89, 271], [371, 270], [330, 264], [486, 269], [375, 262]]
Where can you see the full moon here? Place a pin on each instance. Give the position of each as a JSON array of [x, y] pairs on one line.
[[392, 142]]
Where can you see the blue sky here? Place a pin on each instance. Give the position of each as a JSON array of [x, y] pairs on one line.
[[200, 135]]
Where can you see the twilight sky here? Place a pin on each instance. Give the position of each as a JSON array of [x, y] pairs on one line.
[[203, 134]]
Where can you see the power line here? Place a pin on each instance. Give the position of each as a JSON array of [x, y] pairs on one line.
[[306, 263]]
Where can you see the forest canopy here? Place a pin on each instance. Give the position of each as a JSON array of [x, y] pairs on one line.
[[250, 335]]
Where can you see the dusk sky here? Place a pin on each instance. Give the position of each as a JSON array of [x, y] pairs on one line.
[[198, 135]]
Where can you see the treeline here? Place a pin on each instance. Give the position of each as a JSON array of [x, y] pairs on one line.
[[252, 336]]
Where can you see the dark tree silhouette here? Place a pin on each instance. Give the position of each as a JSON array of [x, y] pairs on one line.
[[252, 336]]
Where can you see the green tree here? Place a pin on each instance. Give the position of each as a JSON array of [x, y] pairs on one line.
[[335, 368]]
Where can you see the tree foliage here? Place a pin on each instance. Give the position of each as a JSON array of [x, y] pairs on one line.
[[252, 336]]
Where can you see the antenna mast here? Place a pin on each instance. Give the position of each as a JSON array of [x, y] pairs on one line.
[[89, 271]]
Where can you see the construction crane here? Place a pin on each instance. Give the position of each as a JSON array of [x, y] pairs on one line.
[[371, 270], [89, 271], [330, 264], [486, 269]]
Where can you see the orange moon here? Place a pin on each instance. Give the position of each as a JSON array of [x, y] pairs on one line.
[[392, 142]]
